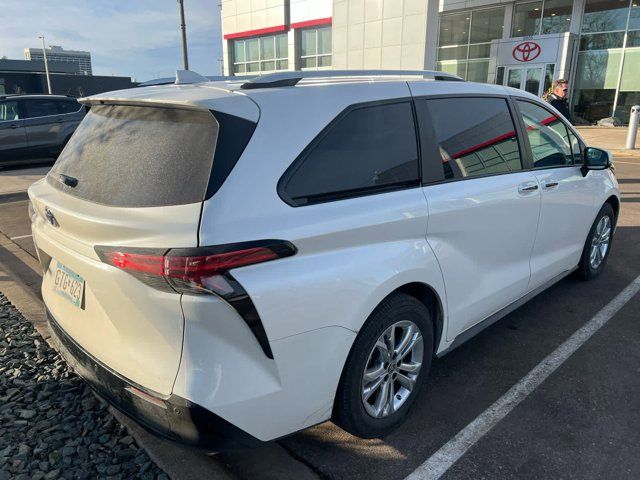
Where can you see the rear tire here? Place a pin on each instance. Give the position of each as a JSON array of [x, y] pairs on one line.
[[399, 366], [598, 244]]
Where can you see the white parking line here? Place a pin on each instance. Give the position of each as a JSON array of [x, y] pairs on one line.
[[19, 237], [450, 453]]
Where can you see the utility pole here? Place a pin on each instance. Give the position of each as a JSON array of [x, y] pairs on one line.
[[183, 28], [46, 65]]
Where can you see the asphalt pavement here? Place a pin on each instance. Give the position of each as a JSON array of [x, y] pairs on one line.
[[583, 421]]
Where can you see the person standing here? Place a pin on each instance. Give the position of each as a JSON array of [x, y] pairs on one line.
[[559, 97]]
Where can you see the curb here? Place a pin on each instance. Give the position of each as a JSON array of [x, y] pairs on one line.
[[13, 197]]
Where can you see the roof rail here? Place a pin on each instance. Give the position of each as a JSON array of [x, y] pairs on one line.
[[289, 79], [209, 78]]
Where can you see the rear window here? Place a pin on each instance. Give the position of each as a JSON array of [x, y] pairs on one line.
[[369, 150], [129, 156], [68, 106]]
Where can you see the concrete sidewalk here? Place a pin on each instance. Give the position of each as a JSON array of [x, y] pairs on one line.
[[16, 181], [610, 138]]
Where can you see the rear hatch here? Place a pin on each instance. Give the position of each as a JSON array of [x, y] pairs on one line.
[[133, 176]]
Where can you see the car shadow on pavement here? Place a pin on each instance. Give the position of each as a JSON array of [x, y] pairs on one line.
[[468, 380]]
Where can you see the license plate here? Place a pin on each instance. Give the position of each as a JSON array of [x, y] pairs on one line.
[[68, 284]]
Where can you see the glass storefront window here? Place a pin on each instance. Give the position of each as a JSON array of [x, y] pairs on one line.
[[457, 67], [541, 18], [602, 88], [464, 45], [452, 53], [596, 83], [482, 50], [634, 15], [556, 16], [486, 25], [602, 41], [629, 84], [454, 29], [527, 19], [260, 54], [633, 39], [315, 48], [605, 15], [477, 70]]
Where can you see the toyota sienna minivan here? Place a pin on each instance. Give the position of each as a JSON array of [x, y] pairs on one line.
[[230, 262]]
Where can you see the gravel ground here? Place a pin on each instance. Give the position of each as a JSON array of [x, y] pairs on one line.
[[51, 425]]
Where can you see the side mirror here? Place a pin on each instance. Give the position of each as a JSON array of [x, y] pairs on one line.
[[595, 159]]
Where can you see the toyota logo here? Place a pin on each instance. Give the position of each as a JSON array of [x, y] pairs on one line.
[[50, 217], [526, 51]]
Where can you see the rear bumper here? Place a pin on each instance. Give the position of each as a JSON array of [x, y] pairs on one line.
[[170, 417]]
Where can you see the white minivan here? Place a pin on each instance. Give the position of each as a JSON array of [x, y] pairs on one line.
[[229, 262]]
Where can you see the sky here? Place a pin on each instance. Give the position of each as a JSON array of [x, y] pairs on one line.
[[133, 38]]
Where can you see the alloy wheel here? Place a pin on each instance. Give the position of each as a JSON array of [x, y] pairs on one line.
[[600, 242], [392, 369]]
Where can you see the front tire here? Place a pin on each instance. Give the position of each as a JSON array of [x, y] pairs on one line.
[[598, 244], [386, 368]]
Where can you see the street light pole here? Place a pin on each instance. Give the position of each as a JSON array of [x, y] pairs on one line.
[[183, 28], [46, 65]]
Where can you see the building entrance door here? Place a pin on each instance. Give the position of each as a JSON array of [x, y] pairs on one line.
[[526, 78]]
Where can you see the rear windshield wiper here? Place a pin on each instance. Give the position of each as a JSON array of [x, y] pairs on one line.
[[67, 180]]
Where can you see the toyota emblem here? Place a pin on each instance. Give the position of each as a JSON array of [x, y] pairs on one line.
[[526, 51], [50, 217]]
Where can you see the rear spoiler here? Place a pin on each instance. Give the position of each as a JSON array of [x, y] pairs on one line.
[[150, 102]]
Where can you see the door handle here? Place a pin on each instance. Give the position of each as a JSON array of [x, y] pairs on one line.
[[527, 187], [550, 184], [14, 126], [59, 121]]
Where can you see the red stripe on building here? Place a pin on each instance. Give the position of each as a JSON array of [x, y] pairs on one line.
[[312, 23], [488, 143], [259, 31]]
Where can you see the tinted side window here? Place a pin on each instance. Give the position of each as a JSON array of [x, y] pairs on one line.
[[41, 108], [548, 136], [475, 136], [9, 111], [368, 149], [68, 106]]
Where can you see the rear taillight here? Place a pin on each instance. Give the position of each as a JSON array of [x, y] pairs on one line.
[[194, 270], [202, 270]]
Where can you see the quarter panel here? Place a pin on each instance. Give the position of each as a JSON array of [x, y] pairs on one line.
[[351, 254]]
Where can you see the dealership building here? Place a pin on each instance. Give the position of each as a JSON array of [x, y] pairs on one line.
[[523, 44]]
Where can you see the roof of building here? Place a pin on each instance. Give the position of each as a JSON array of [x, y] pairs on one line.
[[9, 65]]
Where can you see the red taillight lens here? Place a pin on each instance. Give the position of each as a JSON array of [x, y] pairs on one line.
[[207, 265], [151, 264], [197, 270]]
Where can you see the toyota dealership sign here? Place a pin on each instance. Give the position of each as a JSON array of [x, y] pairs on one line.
[[526, 51], [529, 51]]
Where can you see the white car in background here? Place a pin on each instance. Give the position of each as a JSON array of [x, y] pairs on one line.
[[230, 262]]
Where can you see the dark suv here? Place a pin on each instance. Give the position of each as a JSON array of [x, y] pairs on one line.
[[33, 127]]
